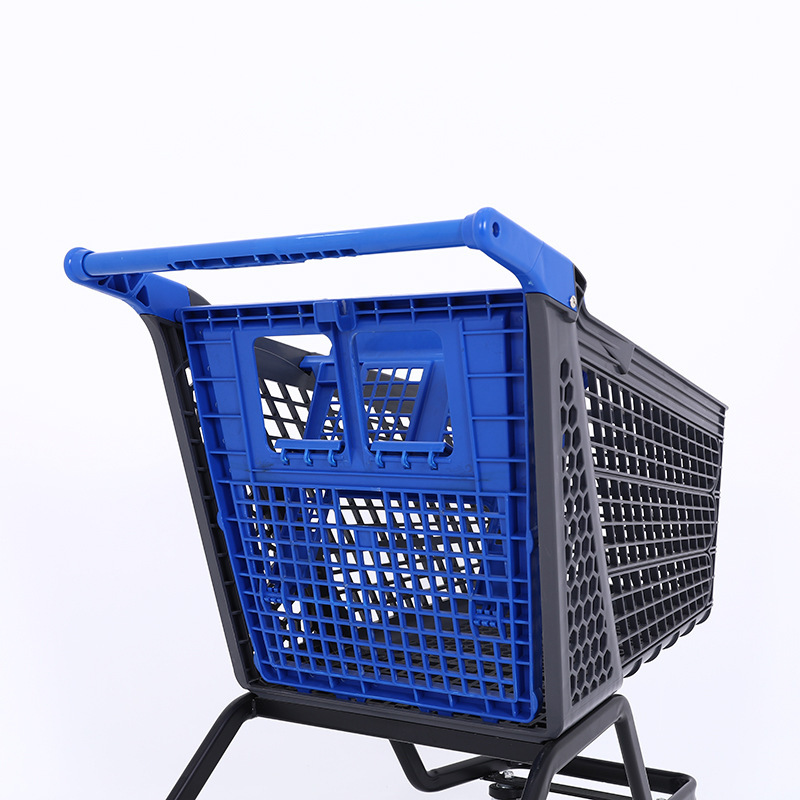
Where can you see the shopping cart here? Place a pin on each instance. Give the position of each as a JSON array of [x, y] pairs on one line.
[[458, 524]]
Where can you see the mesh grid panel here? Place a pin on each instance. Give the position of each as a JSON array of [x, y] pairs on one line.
[[652, 603], [657, 477], [634, 436], [393, 567], [286, 409], [389, 400], [408, 590]]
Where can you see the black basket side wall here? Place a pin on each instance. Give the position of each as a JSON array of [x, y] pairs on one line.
[[657, 447], [581, 661]]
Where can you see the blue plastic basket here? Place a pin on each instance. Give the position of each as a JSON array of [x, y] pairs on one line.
[[376, 507]]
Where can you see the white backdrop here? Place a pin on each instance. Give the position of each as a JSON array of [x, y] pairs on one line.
[[654, 145]]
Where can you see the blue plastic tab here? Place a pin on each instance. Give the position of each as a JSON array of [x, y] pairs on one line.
[[307, 447], [429, 449]]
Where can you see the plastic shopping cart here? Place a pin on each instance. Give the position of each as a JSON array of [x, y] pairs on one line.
[[460, 523]]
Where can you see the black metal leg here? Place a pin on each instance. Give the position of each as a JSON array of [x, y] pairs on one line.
[[213, 747], [544, 760], [435, 780], [631, 752], [562, 754], [558, 756], [675, 784]]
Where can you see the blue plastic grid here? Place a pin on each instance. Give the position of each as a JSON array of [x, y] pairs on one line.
[[377, 513]]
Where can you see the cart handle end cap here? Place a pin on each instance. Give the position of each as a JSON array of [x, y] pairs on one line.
[[73, 265], [146, 294]]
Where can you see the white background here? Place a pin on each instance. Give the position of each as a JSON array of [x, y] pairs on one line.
[[654, 144]]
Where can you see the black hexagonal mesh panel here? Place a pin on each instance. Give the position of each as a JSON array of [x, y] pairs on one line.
[[590, 659]]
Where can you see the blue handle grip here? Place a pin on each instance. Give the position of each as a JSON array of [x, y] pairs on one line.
[[538, 267], [284, 249]]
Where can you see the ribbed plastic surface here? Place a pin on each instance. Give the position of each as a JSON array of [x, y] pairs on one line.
[[657, 449]]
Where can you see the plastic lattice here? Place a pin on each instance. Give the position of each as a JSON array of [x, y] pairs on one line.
[[393, 587], [590, 660], [389, 401], [286, 411], [657, 478], [372, 558]]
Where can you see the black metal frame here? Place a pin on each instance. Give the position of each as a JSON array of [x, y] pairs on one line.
[[543, 761]]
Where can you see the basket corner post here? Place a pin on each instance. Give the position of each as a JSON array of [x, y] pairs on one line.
[[581, 664]]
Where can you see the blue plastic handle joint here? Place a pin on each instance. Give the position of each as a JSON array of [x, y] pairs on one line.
[[538, 267], [145, 293]]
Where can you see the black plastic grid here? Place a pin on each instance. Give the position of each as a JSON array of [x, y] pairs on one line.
[[390, 397], [286, 412], [634, 436], [657, 477], [653, 603], [644, 523]]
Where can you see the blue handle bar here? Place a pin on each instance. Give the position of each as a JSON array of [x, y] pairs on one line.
[[538, 267]]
